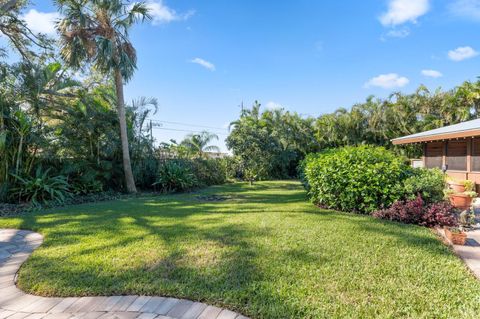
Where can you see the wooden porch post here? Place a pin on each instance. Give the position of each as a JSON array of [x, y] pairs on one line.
[[444, 154], [469, 155], [424, 152]]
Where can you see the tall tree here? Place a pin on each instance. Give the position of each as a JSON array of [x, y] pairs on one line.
[[96, 31]]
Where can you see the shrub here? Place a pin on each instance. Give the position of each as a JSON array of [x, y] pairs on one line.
[[84, 187], [86, 177], [208, 171], [41, 188], [175, 177], [360, 179], [417, 212], [427, 183]]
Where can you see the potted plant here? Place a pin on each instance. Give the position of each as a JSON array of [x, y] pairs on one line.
[[462, 200], [469, 186], [456, 186], [456, 235]]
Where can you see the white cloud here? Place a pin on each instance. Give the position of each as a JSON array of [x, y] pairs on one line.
[[208, 65], [387, 81], [273, 106], [466, 8], [401, 11], [432, 73], [161, 13], [41, 22], [462, 53]]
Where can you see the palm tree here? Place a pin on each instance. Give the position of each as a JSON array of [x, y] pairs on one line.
[[96, 31], [200, 143]]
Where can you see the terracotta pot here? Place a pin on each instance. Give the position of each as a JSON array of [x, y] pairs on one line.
[[457, 187], [460, 201], [456, 238]]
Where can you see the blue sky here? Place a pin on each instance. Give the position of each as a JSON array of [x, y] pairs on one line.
[[201, 59]]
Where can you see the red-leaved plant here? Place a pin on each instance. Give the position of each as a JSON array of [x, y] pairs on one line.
[[416, 212]]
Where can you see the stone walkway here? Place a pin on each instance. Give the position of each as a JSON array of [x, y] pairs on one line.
[[470, 253], [17, 245]]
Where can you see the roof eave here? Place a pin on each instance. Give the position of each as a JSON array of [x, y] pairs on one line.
[[437, 137]]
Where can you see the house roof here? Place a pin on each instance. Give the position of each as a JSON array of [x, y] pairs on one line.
[[460, 130]]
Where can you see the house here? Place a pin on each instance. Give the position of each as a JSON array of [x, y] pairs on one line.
[[454, 149], [216, 155]]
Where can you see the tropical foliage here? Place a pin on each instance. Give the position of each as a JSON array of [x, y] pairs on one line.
[[200, 145], [183, 174], [97, 32], [41, 188], [174, 177], [81, 129], [63, 134], [278, 140], [355, 179], [271, 144]]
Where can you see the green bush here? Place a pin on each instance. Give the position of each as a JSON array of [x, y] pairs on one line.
[[355, 179], [428, 183], [178, 175], [175, 177], [208, 171], [41, 188]]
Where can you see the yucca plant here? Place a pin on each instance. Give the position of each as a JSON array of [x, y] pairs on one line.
[[41, 188]]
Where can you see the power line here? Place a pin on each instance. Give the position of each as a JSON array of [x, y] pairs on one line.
[[193, 125]]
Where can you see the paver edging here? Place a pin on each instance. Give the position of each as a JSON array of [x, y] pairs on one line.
[[15, 248]]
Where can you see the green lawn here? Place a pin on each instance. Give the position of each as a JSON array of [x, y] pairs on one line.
[[265, 252]]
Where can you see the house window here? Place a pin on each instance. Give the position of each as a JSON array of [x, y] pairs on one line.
[[476, 154], [434, 154], [457, 155]]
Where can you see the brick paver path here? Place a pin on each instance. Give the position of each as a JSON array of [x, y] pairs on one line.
[[17, 245]]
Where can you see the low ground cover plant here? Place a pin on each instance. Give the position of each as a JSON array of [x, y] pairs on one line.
[[419, 212]]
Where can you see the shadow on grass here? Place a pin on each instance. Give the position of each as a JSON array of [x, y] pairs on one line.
[[225, 268]]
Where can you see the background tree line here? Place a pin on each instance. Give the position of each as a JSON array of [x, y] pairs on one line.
[[270, 144]]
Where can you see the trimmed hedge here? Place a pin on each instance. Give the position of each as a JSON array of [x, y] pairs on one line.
[[358, 179]]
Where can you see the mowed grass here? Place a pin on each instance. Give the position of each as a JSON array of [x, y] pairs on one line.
[[265, 252]]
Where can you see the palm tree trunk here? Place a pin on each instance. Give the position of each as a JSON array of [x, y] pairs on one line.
[[127, 166]]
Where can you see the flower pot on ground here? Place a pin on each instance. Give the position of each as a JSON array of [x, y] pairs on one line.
[[463, 200], [456, 235]]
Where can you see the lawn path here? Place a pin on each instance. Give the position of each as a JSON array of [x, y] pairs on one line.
[[17, 245]]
